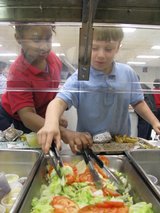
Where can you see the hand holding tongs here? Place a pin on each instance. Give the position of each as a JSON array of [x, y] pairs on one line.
[[56, 159]]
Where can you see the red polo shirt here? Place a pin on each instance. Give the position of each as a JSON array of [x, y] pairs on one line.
[[157, 99], [31, 87]]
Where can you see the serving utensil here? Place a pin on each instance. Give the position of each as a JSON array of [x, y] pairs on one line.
[[57, 155], [56, 159], [113, 176], [88, 161]]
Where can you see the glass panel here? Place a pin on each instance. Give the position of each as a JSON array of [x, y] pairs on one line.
[[139, 49]]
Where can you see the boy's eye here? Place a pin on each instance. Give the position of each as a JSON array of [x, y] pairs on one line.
[[108, 49], [36, 39], [94, 48]]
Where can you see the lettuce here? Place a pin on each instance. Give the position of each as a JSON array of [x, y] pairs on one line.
[[41, 205], [83, 194], [141, 207]]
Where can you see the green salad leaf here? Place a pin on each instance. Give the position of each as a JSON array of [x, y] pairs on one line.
[[141, 207]]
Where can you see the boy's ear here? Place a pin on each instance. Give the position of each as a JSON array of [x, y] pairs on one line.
[[119, 46], [17, 38]]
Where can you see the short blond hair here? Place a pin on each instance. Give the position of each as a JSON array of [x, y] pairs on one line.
[[108, 34]]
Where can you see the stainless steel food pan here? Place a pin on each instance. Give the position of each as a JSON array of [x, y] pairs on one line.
[[147, 162], [21, 162], [140, 190]]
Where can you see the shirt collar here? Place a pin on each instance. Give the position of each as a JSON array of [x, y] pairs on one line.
[[29, 66], [112, 75]]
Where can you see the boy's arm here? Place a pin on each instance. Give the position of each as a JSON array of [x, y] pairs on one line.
[[144, 111], [76, 140], [30, 118], [50, 131]]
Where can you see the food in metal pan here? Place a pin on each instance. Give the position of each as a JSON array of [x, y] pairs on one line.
[[15, 187], [102, 137], [112, 147], [2, 138], [11, 134], [125, 139], [75, 192]]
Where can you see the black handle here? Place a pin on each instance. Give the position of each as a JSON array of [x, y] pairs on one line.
[[57, 155], [53, 148], [85, 156], [96, 158]]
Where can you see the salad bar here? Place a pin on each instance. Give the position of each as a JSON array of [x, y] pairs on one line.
[[38, 185], [80, 193]]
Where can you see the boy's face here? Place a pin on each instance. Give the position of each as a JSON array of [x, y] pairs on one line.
[[103, 54], [36, 42]]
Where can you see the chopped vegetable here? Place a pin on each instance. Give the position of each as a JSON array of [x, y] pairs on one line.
[[75, 192]]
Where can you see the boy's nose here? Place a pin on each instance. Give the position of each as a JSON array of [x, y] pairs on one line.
[[101, 53], [44, 45]]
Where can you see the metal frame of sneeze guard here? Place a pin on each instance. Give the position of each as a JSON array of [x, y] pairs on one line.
[[86, 35]]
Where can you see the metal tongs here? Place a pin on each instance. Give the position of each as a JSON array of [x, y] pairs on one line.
[[56, 159], [88, 161], [100, 163]]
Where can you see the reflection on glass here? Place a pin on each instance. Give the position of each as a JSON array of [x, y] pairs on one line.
[[138, 41]]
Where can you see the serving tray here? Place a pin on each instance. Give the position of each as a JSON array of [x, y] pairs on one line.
[[119, 148], [24, 163], [147, 162], [140, 190]]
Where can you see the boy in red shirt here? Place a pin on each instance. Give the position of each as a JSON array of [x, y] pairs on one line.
[[35, 70], [32, 83]]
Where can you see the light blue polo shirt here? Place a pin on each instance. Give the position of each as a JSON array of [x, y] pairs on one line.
[[102, 102]]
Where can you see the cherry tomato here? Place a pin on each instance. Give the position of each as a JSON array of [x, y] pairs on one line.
[[50, 169], [71, 178], [96, 209], [111, 204], [100, 171], [59, 210], [104, 159], [62, 204], [107, 192], [91, 209], [86, 176]]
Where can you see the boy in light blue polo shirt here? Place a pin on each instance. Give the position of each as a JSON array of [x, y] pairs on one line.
[[102, 102]]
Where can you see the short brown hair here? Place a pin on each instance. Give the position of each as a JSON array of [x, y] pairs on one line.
[[108, 34]]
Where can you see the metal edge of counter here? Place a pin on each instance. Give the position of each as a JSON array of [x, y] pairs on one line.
[[141, 171]]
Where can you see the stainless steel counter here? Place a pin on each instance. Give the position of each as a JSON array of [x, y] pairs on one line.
[[140, 190]]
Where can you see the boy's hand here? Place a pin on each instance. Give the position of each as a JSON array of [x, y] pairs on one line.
[[156, 127], [77, 140], [63, 122], [46, 136]]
